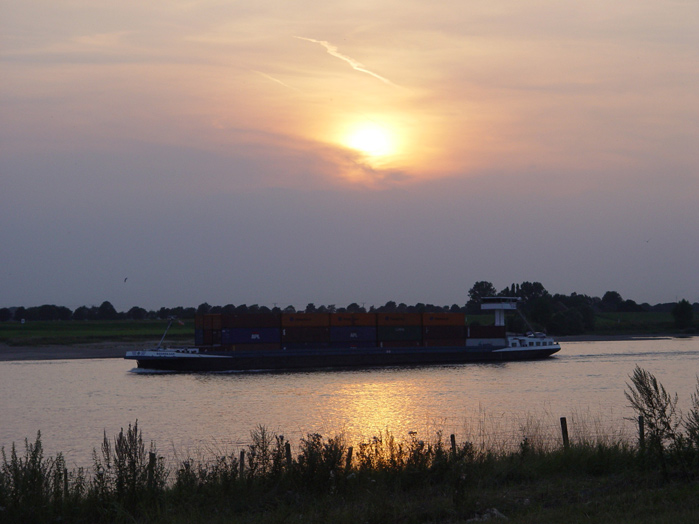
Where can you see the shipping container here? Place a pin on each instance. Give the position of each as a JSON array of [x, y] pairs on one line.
[[399, 343], [486, 332], [250, 335], [353, 319], [399, 319], [267, 346], [251, 320], [353, 344], [212, 322], [208, 337], [305, 319], [199, 321], [443, 319], [305, 345], [443, 332], [198, 337], [339, 333], [306, 334], [399, 333], [453, 342]]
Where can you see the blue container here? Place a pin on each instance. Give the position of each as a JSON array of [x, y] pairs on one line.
[[250, 336], [305, 345], [198, 337], [352, 333], [346, 344]]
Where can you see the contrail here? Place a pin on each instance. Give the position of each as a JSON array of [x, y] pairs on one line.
[[358, 66], [269, 77]]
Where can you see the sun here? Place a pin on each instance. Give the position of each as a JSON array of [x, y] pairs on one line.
[[371, 140]]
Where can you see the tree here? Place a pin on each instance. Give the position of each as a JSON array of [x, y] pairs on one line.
[[480, 290], [106, 311], [683, 314], [611, 301], [5, 314], [136, 313]]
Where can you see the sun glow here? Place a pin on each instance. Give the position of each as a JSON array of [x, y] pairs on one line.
[[372, 140]]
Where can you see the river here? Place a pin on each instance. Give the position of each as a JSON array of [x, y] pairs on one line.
[[74, 402]]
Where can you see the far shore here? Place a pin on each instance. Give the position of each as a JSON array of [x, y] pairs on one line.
[[118, 349]]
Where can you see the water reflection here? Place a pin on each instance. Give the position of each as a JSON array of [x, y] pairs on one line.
[[74, 402]]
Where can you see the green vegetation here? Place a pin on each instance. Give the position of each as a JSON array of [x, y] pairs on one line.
[[90, 331], [380, 480], [557, 314]]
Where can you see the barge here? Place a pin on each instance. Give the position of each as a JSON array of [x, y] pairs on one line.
[[272, 342]]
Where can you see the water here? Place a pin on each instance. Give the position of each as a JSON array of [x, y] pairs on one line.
[[73, 402]]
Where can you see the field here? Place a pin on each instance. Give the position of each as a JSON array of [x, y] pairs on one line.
[[91, 331]]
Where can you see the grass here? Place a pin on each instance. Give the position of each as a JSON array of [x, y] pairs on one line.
[[379, 480], [90, 331]]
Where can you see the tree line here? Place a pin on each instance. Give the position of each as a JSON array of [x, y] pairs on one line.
[[555, 313]]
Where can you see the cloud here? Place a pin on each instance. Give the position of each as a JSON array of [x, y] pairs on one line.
[[358, 66]]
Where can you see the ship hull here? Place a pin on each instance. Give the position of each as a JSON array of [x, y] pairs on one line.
[[284, 360]]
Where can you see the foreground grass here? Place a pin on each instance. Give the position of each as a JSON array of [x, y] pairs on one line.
[[380, 480], [90, 331]]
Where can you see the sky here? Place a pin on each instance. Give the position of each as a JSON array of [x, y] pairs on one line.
[[171, 153]]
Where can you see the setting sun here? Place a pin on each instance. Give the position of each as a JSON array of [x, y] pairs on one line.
[[371, 140]]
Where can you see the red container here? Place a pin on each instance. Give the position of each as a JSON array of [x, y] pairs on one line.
[[198, 321], [212, 322], [441, 332], [399, 319], [486, 332], [443, 319], [305, 319], [454, 342], [353, 319]]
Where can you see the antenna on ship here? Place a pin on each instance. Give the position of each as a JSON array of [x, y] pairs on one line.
[[171, 319]]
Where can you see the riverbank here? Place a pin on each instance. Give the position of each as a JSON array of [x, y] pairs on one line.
[[70, 352], [115, 349]]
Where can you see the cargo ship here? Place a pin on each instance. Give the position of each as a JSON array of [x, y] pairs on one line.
[[299, 341]]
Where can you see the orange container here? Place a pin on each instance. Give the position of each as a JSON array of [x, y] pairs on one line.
[[353, 319], [399, 319], [305, 319], [443, 319]]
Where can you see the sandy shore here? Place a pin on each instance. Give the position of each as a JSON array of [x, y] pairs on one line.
[[103, 350]]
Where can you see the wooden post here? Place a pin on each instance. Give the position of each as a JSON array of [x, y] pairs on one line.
[[242, 463], [288, 455], [453, 444], [641, 433], [348, 462], [564, 432]]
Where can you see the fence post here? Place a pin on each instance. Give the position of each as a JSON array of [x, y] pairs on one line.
[[564, 432], [348, 462], [242, 463], [453, 444], [641, 433], [288, 455]]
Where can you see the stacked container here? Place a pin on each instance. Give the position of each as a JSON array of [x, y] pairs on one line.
[[443, 329], [212, 330], [399, 329], [352, 330], [251, 331], [305, 330]]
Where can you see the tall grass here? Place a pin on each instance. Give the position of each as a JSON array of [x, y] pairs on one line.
[[374, 480]]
